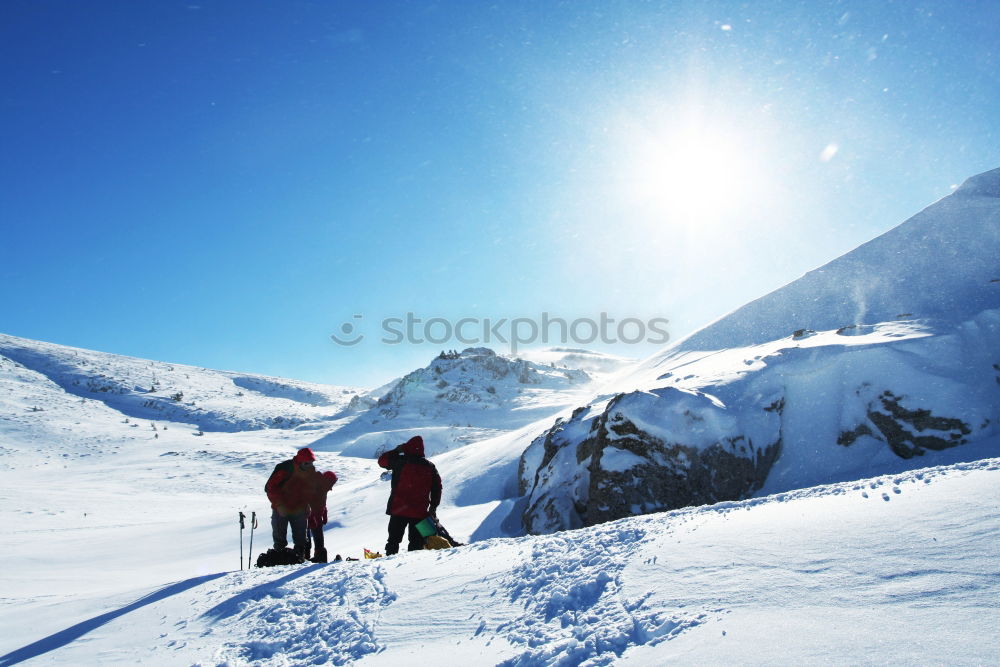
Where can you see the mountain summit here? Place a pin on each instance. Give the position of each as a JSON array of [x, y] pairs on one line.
[[460, 398]]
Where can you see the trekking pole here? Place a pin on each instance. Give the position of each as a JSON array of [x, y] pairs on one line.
[[253, 524], [242, 517]]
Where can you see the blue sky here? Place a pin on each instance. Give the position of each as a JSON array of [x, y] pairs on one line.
[[225, 183]]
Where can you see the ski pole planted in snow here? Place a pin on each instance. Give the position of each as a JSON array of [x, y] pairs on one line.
[[253, 524], [242, 517]]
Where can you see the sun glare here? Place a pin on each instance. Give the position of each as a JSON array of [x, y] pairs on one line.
[[689, 174]]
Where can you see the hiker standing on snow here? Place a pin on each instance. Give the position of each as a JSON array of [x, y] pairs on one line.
[[322, 483], [290, 488], [416, 492]]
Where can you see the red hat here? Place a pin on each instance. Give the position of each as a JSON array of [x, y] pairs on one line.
[[331, 476], [304, 455], [414, 446]]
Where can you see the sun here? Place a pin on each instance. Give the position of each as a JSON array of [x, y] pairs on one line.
[[694, 172]]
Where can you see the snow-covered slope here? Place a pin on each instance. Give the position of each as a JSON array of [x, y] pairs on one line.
[[940, 265], [458, 399], [885, 355], [595, 364], [153, 390], [892, 570]]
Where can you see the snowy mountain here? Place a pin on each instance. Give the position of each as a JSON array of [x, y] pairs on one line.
[[870, 363], [459, 398], [153, 390]]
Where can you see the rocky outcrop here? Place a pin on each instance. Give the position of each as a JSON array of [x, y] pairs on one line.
[[908, 432], [623, 466]]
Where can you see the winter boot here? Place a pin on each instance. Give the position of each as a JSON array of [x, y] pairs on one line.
[[319, 556]]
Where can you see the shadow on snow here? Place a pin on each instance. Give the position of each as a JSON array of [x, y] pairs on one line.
[[232, 605], [63, 637]]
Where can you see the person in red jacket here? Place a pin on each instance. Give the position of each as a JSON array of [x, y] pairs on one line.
[[322, 483], [290, 488], [415, 495]]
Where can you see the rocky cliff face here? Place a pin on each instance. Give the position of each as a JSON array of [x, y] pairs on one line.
[[619, 468]]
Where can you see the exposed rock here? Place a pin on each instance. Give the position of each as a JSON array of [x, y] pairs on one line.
[[600, 467], [848, 438], [903, 441], [477, 375], [360, 402], [904, 429], [674, 476]]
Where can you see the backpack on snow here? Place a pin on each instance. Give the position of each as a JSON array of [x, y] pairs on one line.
[[444, 533], [273, 557], [434, 534], [436, 542]]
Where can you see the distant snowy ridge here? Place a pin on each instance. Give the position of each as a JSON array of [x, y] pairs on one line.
[[589, 361], [888, 353], [457, 399], [940, 264], [475, 376], [154, 390]]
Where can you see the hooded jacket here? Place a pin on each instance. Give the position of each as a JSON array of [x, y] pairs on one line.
[[416, 485], [289, 488]]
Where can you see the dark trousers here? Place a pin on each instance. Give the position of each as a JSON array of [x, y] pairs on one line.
[[279, 530], [317, 537], [397, 525]]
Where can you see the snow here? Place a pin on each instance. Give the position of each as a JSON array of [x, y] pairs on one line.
[[594, 363], [619, 460], [118, 503], [939, 265], [873, 571], [101, 507], [122, 547], [152, 390]]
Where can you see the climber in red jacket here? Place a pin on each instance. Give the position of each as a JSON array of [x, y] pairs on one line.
[[290, 488], [415, 495]]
